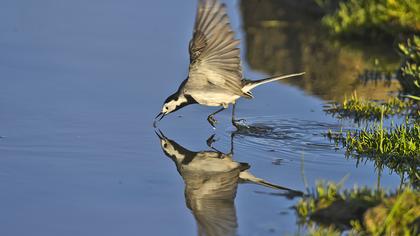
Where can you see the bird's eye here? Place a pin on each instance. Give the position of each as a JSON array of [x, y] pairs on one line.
[[166, 108]]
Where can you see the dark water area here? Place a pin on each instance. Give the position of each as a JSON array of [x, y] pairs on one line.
[[80, 84], [283, 36]]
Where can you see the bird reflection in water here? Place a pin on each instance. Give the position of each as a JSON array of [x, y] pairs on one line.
[[211, 178]]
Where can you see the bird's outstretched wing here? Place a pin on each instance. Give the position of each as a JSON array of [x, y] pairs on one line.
[[214, 52]]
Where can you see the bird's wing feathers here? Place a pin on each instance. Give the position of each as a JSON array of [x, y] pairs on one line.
[[214, 52]]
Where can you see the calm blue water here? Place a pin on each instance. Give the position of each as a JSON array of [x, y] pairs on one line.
[[80, 84]]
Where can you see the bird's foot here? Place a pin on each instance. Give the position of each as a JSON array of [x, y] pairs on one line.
[[239, 120], [237, 124], [212, 121], [210, 141]]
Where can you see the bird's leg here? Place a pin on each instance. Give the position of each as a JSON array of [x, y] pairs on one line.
[[211, 118], [234, 121], [232, 136], [233, 117]]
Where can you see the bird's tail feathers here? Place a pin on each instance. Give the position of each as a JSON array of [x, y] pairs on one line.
[[250, 84], [248, 177]]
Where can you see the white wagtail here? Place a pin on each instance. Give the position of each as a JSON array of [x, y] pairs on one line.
[[211, 179], [211, 161], [215, 74]]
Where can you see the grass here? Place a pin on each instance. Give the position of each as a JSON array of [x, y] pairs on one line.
[[371, 18], [397, 215], [402, 142], [363, 211], [396, 147], [362, 109], [409, 73]]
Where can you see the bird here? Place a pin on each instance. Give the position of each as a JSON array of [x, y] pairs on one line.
[[211, 180], [215, 74]]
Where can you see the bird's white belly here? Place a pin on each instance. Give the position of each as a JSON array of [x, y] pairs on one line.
[[208, 98], [210, 165]]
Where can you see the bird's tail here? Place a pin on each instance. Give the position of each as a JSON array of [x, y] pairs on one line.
[[248, 177], [250, 84]]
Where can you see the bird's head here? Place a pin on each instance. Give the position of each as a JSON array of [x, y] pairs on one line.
[[173, 103], [165, 143], [173, 150]]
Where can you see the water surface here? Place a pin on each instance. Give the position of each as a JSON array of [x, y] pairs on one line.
[[80, 83]]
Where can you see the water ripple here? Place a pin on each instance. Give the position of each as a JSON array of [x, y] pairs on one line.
[[289, 137]]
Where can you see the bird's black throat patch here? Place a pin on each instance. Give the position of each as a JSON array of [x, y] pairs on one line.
[[189, 100]]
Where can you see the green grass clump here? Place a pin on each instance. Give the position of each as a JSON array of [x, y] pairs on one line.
[[328, 211], [400, 142], [327, 194], [397, 147], [409, 73], [360, 17], [397, 215], [323, 231], [359, 108]]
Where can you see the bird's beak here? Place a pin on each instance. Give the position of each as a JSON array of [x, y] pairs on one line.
[[161, 115], [160, 134]]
